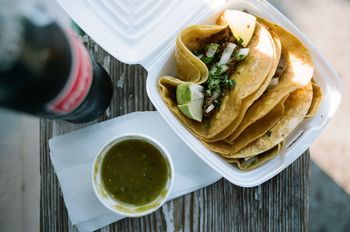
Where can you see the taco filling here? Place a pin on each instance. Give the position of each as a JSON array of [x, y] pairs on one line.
[[220, 53]]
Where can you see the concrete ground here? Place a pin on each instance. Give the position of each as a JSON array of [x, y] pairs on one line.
[[330, 204], [19, 172], [324, 22]]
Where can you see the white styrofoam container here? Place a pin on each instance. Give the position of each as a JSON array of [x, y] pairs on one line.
[[144, 32]]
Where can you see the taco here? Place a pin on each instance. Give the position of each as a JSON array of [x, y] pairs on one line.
[[247, 102], [298, 67], [235, 79]]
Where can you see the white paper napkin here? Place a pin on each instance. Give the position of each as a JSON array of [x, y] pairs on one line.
[[72, 155]]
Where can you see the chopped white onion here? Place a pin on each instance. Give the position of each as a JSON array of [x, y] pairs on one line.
[[273, 82], [210, 108], [232, 45], [223, 69], [248, 161], [213, 69], [226, 55], [200, 56], [242, 53], [212, 50]]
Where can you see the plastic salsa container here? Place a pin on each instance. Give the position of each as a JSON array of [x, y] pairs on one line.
[[144, 32]]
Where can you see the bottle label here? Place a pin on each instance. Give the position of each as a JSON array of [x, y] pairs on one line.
[[79, 82]]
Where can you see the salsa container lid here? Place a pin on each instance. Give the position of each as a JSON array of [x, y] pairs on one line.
[[144, 31]]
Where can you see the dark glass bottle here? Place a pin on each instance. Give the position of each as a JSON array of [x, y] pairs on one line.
[[46, 71]]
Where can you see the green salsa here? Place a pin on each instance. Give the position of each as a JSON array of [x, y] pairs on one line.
[[134, 171]]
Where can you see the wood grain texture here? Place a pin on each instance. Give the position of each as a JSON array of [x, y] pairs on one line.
[[281, 204]]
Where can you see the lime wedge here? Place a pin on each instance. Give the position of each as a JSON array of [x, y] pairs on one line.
[[193, 110], [188, 92]]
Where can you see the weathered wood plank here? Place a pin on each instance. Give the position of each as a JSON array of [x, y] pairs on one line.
[[281, 204]]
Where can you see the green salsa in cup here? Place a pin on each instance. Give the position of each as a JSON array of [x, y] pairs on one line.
[[132, 175]]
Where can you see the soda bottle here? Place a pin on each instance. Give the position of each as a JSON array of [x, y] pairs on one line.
[[46, 71]]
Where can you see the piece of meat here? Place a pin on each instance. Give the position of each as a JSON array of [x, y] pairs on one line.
[[209, 100], [206, 103], [231, 66], [282, 66], [223, 35]]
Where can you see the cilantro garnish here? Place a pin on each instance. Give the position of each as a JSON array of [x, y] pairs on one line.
[[239, 41]]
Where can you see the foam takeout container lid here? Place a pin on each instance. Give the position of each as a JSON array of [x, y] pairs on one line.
[[144, 31]]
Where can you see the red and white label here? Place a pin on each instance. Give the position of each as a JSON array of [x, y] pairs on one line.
[[79, 82]]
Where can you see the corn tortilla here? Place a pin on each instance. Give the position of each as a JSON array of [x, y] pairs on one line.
[[299, 72], [257, 161], [296, 107], [256, 130]]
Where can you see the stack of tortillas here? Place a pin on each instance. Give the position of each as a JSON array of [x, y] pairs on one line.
[[257, 116]]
